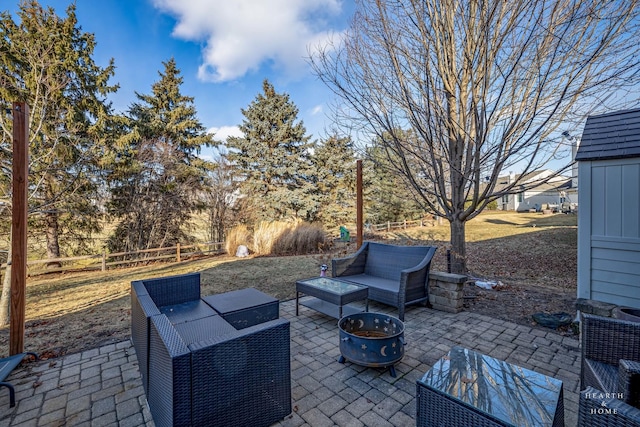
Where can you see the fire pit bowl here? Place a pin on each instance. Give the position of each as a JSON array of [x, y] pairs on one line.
[[374, 340]]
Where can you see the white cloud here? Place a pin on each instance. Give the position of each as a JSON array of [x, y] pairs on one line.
[[241, 35], [224, 132], [316, 110]]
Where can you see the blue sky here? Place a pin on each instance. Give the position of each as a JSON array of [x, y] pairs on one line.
[[224, 49]]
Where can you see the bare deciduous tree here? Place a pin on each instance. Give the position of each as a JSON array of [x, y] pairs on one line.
[[482, 86]]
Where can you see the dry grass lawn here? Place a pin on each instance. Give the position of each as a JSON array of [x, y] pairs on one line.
[[533, 255]]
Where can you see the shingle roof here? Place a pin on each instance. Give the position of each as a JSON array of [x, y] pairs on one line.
[[611, 136]]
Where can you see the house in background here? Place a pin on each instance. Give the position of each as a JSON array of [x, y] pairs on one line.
[[558, 191], [609, 219]]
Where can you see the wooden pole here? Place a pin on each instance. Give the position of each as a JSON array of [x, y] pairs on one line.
[[19, 226], [359, 224]]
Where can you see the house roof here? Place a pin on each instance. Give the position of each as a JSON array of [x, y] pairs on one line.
[[556, 184], [611, 136]]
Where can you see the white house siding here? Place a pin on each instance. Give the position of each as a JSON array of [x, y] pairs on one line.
[[532, 198], [609, 231]]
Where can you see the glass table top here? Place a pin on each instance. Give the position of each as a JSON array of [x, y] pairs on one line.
[[332, 285], [510, 393]]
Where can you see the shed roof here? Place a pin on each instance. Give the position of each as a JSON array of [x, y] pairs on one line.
[[611, 136]]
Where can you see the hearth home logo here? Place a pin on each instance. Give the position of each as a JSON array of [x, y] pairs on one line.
[[604, 409]]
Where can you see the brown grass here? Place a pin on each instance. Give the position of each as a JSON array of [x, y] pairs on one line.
[[532, 254]]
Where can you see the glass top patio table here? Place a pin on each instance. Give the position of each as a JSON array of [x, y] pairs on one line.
[[332, 285], [331, 295], [507, 394]]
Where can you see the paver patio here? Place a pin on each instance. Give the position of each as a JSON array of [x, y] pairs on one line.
[[102, 387]]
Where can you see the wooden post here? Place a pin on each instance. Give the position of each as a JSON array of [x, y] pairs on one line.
[[359, 224], [178, 252], [104, 260], [19, 226]]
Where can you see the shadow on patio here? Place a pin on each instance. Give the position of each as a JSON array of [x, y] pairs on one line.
[[102, 386]]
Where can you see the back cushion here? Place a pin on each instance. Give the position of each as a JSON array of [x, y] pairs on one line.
[[388, 261]]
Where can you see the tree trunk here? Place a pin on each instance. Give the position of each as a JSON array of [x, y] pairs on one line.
[[52, 233], [5, 297], [458, 247]]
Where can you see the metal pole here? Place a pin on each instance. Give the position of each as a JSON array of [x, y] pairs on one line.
[[19, 226], [359, 225]]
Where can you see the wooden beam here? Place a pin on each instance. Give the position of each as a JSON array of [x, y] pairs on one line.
[[359, 225], [19, 226]]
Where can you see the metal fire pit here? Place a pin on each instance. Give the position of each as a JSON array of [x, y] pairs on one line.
[[374, 340]]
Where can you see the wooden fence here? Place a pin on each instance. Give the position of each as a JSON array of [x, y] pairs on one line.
[[105, 260], [388, 226], [176, 253]]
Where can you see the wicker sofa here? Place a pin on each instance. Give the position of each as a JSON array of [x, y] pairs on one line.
[[396, 275], [198, 369], [610, 374]]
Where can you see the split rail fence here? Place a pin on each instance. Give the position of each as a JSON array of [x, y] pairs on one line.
[[105, 260], [176, 253]]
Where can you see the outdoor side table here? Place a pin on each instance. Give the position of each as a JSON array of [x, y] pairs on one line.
[[245, 307], [331, 296], [466, 388]]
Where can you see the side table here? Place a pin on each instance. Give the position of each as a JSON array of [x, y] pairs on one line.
[[466, 388]]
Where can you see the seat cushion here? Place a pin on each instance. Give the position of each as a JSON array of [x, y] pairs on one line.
[[204, 328], [380, 289], [187, 311]]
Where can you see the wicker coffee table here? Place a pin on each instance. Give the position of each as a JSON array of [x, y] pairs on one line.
[[330, 296], [466, 388]]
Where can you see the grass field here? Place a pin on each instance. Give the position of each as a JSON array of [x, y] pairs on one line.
[[534, 255]]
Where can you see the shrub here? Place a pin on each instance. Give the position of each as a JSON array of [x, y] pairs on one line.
[[288, 238], [237, 236]]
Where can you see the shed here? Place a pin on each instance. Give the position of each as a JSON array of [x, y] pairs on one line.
[[609, 216]]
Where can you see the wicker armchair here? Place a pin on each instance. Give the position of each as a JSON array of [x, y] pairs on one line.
[[610, 374]]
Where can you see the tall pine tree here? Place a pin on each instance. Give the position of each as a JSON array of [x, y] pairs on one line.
[[156, 174], [273, 159], [389, 196], [47, 62], [335, 172]]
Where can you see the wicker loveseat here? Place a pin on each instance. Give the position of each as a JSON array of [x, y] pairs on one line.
[[198, 369], [396, 275], [610, 374]]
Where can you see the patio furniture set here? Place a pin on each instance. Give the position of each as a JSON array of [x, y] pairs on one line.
[[218, 360], [225, 359]]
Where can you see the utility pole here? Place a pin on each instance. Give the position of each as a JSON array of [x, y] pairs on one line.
[[19, 226]]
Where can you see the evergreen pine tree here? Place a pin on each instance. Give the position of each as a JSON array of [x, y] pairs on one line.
[[389, 197], [335, 169], [273, 159], [156, 174], [47, 62]]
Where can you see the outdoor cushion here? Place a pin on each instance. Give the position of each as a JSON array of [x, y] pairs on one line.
[[190, 310], [395, 275]]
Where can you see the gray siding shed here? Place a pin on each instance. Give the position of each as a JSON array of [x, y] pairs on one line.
[[609, 215]]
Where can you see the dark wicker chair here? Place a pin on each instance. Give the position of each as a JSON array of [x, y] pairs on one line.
[[396, 275], [610, 374]]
